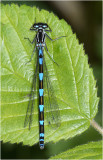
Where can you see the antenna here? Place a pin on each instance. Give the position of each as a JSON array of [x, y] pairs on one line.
[[47, 20]]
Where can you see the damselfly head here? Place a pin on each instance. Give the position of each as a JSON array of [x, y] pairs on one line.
[[37, 26]]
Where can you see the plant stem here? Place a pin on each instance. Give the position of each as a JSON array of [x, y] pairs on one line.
[[95, 125]]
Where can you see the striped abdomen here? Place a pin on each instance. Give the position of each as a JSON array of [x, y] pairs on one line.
[[41, 100]]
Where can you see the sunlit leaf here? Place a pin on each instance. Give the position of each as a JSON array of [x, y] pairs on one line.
[[92, 150], [72, 80]]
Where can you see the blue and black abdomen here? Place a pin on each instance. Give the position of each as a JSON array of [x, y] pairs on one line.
[[41, 100]]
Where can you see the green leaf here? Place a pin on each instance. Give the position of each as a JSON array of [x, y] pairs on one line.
[[92, 150], [72, 80]]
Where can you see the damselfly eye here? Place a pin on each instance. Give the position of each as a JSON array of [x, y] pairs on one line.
[[35, 26], [44, 26]]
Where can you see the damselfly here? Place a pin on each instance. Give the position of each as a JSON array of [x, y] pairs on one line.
[[39, 40]]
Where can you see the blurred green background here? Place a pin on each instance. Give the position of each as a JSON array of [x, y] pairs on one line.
[[85, 19]]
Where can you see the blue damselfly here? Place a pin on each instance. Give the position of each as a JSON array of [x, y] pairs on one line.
[[39, 40]]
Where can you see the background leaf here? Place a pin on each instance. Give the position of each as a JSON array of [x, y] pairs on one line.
[[92, 150], [73, 80]]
